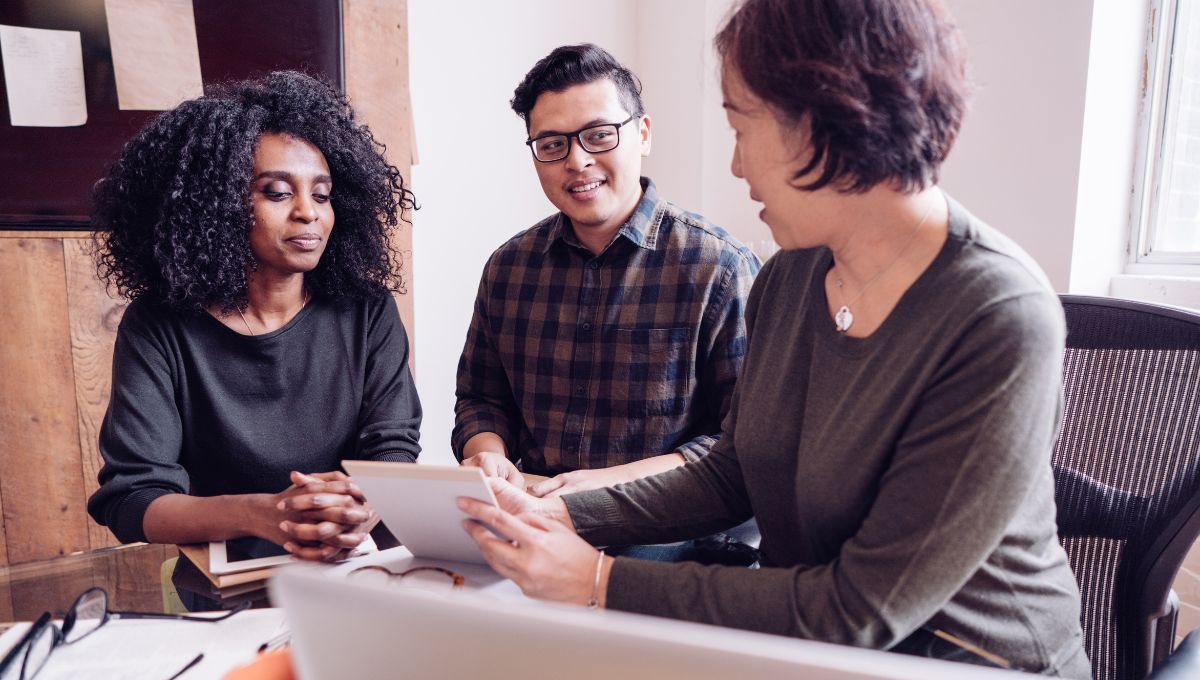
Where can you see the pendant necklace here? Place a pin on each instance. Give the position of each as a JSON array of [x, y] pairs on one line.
[[844, 317], [303, 301]]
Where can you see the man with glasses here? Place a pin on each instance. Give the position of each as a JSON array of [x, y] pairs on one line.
[[606, 340]]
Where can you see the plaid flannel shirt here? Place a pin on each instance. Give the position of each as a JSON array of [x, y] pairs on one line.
[[581, 361]]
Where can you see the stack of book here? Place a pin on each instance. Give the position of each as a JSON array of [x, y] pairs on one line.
[[224, 587]]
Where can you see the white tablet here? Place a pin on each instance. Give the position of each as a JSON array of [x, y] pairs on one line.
[[417, 502], [244, 554], [250, 552]]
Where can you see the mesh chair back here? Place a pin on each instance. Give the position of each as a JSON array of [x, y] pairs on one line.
[[1127, 468]]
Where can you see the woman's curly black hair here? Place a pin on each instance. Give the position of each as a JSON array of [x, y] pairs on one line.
[[173, 215]]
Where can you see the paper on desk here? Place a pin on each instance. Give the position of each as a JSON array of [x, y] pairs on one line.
[[43, 73], [148, 649], [155, 57]]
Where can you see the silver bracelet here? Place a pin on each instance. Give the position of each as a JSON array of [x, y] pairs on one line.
[[594, 602]]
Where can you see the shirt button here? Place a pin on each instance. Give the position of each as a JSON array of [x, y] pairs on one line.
[[593, 265], [579, 389], [587, 326]]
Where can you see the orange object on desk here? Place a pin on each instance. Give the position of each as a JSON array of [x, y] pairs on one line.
[[273, 665]]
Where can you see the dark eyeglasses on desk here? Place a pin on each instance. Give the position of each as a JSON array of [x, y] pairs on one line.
[[87, 615]]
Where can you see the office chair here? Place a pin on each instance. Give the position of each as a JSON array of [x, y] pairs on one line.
[[1127, 477]]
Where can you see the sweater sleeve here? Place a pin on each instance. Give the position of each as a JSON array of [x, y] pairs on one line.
[[390, 414], [683, 503], [141, 436], [979, 435]]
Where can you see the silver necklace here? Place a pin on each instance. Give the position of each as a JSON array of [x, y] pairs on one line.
[[303, 301], [844, 318]]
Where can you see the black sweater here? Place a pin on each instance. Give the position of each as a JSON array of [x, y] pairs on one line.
[[199, 409]]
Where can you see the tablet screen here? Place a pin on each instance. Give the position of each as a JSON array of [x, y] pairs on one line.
[[250, 548]]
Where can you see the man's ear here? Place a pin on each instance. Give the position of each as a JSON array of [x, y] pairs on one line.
[[644, 134]]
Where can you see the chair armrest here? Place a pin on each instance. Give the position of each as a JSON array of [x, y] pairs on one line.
[[1184, 662]]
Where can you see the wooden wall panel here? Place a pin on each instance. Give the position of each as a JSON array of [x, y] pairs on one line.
[[59, 324], [40, 477], [3, 528], [6, 607], [376, 56], [94, 317]]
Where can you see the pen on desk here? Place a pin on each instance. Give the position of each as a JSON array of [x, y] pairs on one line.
[[277, 641], [974, 649], [188, 667]]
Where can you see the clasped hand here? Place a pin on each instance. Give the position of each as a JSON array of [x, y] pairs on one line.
[[322, 516]]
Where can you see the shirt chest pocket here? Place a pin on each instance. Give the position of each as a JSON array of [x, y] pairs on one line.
[[652, 371]]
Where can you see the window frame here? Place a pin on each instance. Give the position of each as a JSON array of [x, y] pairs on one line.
[[1157, 121]]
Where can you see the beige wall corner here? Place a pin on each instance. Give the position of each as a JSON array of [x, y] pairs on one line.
[[375, 41]]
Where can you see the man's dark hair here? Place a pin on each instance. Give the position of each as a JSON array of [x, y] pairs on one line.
[[173, 215], [878, 86], [571, 65]]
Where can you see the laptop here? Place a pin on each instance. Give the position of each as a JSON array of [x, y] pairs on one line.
[[351, 629]]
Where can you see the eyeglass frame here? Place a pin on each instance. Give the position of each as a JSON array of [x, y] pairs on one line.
[[575, 137], [457, 579], [59, 633]]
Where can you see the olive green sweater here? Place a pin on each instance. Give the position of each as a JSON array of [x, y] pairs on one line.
[[900, 480]]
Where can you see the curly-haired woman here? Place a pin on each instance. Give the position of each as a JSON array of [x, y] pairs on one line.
[[250, 229]]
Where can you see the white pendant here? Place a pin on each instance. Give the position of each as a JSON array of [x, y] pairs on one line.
[[843, 319]]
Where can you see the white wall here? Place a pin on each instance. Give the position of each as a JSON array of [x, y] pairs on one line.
[[1111, 124], [1041, 155], [1016, 162]]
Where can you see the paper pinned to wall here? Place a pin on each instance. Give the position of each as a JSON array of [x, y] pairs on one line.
[[43, 73], [155, 57]]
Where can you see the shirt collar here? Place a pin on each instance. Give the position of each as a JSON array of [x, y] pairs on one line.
[[638, 229]]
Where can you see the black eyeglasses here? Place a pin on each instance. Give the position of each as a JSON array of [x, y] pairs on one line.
[[89, 612], [594, 139]]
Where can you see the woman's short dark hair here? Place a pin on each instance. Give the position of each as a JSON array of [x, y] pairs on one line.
[[879, 86], [571, 65], [173, 214]]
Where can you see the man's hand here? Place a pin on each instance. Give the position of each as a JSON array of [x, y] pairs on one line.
[[496, 465], [585, 480], [543, 556], [516, 501], [580, 480]]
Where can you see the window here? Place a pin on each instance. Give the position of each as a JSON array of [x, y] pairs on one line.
[[1167, 224]]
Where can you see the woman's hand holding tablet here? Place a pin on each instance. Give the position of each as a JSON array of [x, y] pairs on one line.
[[419, 504]]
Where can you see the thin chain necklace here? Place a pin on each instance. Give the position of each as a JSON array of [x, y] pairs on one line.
[[303, 301], [844, 318]]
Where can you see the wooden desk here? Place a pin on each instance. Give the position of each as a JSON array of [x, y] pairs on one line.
[[130, 574]]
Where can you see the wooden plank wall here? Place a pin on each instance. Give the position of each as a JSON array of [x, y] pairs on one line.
[[376, 57], [59, 324], [43, 485]]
